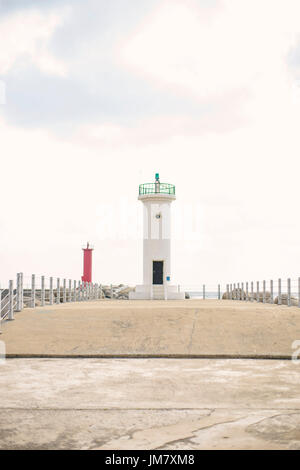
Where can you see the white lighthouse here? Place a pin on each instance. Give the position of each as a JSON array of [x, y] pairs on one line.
[[157, 198]]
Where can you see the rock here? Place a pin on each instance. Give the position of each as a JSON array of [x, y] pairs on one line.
[[294, 300], [261, 296], [106, 292], [27, 302], [241, 295], [236, 294], [187, 295], [124, 290], [119, 292]]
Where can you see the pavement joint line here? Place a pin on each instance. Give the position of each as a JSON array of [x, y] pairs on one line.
[[149, 409], [151, 356]]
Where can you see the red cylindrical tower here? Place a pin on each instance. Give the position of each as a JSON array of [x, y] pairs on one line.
[[87, 263]]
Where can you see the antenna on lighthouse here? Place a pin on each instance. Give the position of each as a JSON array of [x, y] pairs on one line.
[[157, 183]]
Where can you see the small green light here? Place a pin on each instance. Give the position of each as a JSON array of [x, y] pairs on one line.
[[157, 176]]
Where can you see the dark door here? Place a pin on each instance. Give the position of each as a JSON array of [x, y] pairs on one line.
[[158, 272]]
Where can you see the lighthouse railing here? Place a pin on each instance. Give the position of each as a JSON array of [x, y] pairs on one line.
[[155, 188]]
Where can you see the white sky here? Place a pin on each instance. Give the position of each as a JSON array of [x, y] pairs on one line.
[[98, 101]]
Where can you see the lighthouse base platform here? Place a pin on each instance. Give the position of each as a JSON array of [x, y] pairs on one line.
[[156, 292]]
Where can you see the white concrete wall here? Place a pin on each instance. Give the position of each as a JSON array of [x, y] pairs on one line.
[[156, 250], [157, 233]]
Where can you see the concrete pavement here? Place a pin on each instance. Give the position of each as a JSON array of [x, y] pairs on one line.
[[149, 404], [154, 328], [155, 403]]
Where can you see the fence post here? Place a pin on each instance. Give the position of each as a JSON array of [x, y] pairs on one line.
[[271, 292], [58, 291], [79, 297], [18, 306], [33, 291], [74, 293], [203, 291], [43, 291], [219, 291], [51, 291], [64, 291], [11, 300], [264, 292], [247, 292], [289, 292], [252, 292], [279, 292], [70, 291], [22, 292], [257, 291], [100, 291]]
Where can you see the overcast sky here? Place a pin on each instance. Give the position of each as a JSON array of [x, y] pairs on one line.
[[97, 96]]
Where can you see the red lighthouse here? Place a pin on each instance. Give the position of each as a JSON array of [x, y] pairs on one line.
[[87, 263]]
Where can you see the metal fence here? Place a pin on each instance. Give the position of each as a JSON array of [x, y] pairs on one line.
[[202, 291], [39, 291], [154, 188], [280, 291]]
